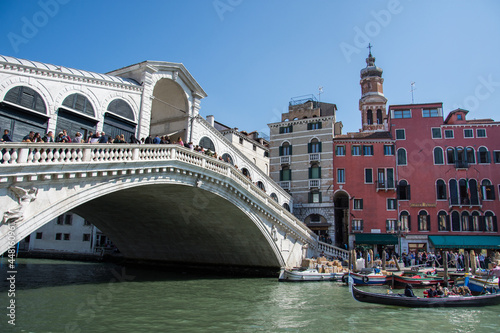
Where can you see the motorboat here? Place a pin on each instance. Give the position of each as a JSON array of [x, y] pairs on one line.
[[310, 274], [478, 285]]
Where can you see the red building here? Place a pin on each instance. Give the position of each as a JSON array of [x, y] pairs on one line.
[[413, 181]]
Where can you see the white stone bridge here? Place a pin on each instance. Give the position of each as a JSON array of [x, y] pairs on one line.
[[156, 202]]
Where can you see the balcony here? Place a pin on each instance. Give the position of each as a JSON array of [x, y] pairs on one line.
[[285, 160], [285, 185], [314, 157], [461, 164], [314, 183], [384, 186], [464, 201]]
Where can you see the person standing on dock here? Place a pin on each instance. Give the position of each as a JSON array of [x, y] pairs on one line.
[[495, 271]]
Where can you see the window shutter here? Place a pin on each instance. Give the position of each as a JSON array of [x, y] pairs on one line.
[[282, 129], [289, 174], [471, 224], [321, 200], [291, 128], [478, 156], [448, 222], [310, 173], [409, 223], [408, 192], [361, 203], [361, 225], [386, 225], [309, 126], [495, 227], [281, 150], [309, 148], [320, 125], [428, 223], [290, 150], [398, 192], [482, 223], [310, 197], [281, 175], [319, 172], [320, 144], [492, 191], [352, 150], [488, 156]]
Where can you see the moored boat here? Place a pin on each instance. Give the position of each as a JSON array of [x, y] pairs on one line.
[[478, 285], [310, 274], [416, 281], [401, 300], [372, 279]]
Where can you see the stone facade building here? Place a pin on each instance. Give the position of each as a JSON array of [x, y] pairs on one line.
[[301, 159]]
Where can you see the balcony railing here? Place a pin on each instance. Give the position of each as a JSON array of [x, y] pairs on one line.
[[285, 160], [461, 164], [464, 202], [314, 183], [285, 185], [384, 186], [314, 157]]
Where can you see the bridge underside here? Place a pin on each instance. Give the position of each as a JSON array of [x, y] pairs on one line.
[[179, 224]]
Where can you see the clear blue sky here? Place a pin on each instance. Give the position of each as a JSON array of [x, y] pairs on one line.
[[252, 56]]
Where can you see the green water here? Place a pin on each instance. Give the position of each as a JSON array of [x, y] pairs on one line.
[[62, 296]]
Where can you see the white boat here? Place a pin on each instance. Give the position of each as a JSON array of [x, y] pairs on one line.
[[310, 274]]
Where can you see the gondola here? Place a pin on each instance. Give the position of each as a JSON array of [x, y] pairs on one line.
[[414, 302], [414, 281]]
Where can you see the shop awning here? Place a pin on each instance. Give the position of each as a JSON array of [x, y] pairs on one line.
[[379, 239], [465, 242]]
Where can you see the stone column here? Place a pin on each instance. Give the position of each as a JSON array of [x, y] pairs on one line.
[[383, 260], [445, 265]]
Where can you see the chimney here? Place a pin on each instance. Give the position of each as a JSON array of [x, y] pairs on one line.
[[211, 120]]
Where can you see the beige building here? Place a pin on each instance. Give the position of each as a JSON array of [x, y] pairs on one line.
[[301, 157]]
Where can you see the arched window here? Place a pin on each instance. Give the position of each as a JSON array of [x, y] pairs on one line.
[[475, 219], [315, 171], [274, 196], [369, 117], [315, 218], [460, 154], [121, 108], [453, 192], [455, 221], [470, 154], [405, 223], [465, 221], [463, 192], [285, 149], [487, 190], [314, 146], [206, 143], [424, 221], [27, 98], [474, 197], [440, 190], [227, 158], [483, 155], [80, 103], [379, 117], [443, 221], [401, 156], [438, 156], [490, 222], [403, 190], [450, 155], [286, 206]]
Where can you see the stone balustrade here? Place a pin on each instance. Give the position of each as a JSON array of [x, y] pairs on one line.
[[333, 251], [28, 155]]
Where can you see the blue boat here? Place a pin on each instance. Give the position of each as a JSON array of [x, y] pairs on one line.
[[478, 285]]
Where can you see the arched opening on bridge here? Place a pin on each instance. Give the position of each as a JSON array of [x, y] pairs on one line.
[[227, 158], [341, 207], [274, 196], [286, 206], [23, 110], [261, 186], [170, 110], [181, 224], [246, 173], [207, 144]]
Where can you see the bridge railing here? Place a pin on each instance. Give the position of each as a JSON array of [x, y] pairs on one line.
[[36, 154], [333, 251]]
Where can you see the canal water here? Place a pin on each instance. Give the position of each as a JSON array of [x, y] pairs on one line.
[[66, 296]]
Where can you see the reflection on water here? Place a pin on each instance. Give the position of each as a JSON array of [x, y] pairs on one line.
[[61, 296]]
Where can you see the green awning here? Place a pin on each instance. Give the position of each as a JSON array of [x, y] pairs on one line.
[[380, 239], [466, 242]]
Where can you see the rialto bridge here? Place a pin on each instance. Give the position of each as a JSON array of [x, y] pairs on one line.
[[156, 202]]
